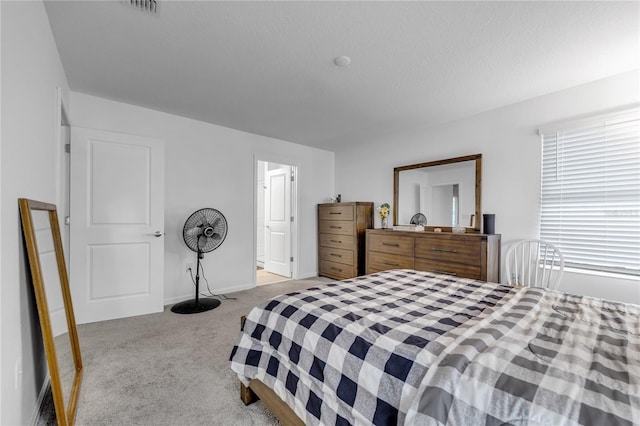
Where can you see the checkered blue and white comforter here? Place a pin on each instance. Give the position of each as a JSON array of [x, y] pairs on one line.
[[410, 347]]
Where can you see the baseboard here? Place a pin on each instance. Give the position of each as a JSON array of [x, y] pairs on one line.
[[304, 276], [224, 290], [37, 409]]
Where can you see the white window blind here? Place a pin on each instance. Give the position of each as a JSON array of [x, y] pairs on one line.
[[590, 205]]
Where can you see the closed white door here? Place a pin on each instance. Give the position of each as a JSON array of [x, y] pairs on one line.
[[117, 225], [277, 239]]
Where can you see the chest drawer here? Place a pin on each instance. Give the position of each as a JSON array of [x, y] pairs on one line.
[[337, 241], [393, 244], [455, 269], [337, 270], [378, 261], [445, 248], [341, 238], [339, 227], [337, 255], [335, 212]]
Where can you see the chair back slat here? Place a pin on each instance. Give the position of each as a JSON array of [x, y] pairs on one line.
[[534, 263]]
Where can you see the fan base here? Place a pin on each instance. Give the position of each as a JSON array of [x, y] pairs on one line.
[[191, 307]]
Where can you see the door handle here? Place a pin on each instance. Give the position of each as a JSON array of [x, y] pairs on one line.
[[158, 234], [444, 250]]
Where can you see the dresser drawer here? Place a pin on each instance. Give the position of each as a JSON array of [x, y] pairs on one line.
[[450, 249], [338, 227], [337, 270], [390, 243], [337, 255], [335, 212], [378, 261], [337, 241], [455, 269]]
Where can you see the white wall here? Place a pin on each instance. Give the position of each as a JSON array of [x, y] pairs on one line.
[[508, 140], [213, 166], [31, 71]]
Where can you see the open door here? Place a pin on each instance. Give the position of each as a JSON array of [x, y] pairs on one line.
[[117, 225], [277, 241]]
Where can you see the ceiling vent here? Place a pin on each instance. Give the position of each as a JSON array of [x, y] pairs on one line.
[[149, 6]]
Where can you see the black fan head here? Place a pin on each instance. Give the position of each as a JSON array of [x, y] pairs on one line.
[[205, 230], [418, 219]]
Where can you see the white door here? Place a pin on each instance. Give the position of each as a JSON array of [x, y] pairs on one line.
[[277, 236], [117, 225]]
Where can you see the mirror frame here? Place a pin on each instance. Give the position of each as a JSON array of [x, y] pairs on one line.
[[65, 410], [475, 157]]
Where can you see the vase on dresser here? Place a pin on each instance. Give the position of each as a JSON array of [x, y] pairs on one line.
[[385, 222]]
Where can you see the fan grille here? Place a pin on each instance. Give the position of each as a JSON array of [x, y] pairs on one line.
[[205, 230], [149, 6], [418, 219]]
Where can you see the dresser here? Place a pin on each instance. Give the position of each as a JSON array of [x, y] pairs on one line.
[[469, 255], [341, 238]]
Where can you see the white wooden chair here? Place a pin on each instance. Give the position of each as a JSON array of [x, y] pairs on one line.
[[534, 263]]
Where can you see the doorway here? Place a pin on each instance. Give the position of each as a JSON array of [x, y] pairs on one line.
[[63, 172], [275, 221]]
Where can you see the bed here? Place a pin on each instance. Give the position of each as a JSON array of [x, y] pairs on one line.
[[410, 347]]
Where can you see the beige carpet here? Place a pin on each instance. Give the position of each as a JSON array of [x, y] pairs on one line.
[[264, 277], [170, 369]]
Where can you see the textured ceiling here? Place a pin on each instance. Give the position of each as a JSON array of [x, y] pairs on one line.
[[267, 67]]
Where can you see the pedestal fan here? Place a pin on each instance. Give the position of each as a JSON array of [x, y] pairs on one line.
[[203, 232]]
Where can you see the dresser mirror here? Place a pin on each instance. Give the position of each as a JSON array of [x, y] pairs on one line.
[[53, 300], [447, 192]]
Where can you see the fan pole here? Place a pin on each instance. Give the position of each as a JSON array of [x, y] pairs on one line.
[[196, 305], [197, 300]]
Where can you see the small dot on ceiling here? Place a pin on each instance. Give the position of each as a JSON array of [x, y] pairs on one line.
[[342, 61]]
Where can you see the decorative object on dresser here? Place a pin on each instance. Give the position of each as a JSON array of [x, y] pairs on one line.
[[468, 255], [341, 238], [489, 223], [383, 210], [418, 219]]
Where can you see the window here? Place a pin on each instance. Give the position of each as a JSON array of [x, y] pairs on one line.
[[590, 206]]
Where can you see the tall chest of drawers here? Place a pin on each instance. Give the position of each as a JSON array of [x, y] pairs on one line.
[[469, 255], [341, 238]]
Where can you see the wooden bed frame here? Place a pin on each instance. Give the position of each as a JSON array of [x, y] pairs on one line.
[[258, 390]]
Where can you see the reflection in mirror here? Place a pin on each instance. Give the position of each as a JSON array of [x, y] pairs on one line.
[[444, 207], [55, 302], [51, 287], [447, 192]]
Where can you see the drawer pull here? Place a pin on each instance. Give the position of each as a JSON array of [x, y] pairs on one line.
[[390, 264], [391, 244], [335, 212], [445, 250], [336, 255], [335, 227], [336, 241], [336, 269], [435, 271]]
